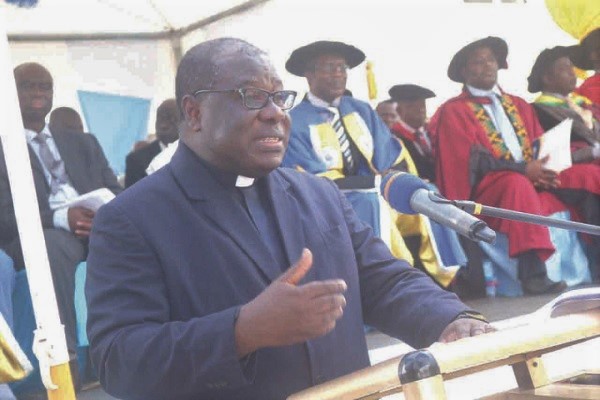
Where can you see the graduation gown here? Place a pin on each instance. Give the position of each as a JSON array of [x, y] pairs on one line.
[[473, 162], [590, 88], [314, 148]]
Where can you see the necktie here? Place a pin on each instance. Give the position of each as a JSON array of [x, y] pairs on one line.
[[342, 136], [56, 168], [505, 127]]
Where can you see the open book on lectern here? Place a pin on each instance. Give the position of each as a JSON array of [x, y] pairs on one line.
[[571, 302]]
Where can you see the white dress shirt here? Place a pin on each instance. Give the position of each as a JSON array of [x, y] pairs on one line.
[[65, 192]]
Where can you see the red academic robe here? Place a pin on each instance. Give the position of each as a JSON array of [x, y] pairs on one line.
[[468, 167], [590, 88]]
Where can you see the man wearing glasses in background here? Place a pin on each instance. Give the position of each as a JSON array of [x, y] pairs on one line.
[[190, 290], [342, 138]]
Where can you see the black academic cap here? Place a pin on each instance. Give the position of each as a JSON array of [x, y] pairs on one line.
[[544, 61], [300, 57], [458, 62], [410, 92], [581, 53]]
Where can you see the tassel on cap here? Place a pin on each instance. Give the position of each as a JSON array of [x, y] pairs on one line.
[[371, 84]]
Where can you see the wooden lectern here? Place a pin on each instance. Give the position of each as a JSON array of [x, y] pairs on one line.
[[421, 374]]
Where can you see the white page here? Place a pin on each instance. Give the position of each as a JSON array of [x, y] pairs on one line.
[[556, 142], [92, 200]]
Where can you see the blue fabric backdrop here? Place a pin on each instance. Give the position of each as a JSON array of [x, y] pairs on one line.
[[117, 121]]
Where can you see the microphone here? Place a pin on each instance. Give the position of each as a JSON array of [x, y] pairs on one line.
[[408, 194]]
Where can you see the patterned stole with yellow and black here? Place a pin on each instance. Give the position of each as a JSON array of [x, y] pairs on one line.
[[500, 149], [550, 100]]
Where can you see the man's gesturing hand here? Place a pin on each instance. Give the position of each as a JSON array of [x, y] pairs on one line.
[[285, 314]]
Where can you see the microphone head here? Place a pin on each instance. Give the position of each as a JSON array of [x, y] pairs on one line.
[[481, 232], [398, 188]]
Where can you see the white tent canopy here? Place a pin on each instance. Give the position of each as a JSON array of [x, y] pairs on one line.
[[130, 47], [123, 47], [77, 19]]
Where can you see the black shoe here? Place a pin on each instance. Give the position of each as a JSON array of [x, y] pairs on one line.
[[542, 285]]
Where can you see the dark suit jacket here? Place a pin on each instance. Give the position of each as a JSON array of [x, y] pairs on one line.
[[174, 257], [137, 162], [86, 166], [425, 165]]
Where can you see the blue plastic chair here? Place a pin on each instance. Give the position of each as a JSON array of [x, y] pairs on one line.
[[569, 262]]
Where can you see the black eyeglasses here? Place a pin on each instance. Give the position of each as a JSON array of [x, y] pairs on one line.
[[331, 69], [255, 99]]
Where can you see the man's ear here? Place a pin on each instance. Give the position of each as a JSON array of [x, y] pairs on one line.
[[192, 114]]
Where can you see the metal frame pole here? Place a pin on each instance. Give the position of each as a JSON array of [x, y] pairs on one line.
[[50, 344]]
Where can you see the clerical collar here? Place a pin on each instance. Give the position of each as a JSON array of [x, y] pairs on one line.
[[226, 178], [484, 93], [319, 102], [243, 181]]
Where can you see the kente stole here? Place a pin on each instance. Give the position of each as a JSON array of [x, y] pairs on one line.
[[500, 150]]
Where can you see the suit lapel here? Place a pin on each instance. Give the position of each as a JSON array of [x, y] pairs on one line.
[[37, 169], [35, 162], [229, 215], [218, 205], [287, 215], [71, 158]]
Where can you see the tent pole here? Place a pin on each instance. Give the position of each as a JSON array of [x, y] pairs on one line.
[[50, 344], [176, 47], [241, 8]]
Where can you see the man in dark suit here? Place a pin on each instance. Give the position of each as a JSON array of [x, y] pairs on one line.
[[196, 258], [167, 131], [64, 165], [412, 126], [65, 119]]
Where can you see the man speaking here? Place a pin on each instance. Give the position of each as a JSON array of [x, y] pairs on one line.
[[223, 276]]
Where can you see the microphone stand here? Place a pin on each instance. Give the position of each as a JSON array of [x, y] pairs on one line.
[[479, 209]]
